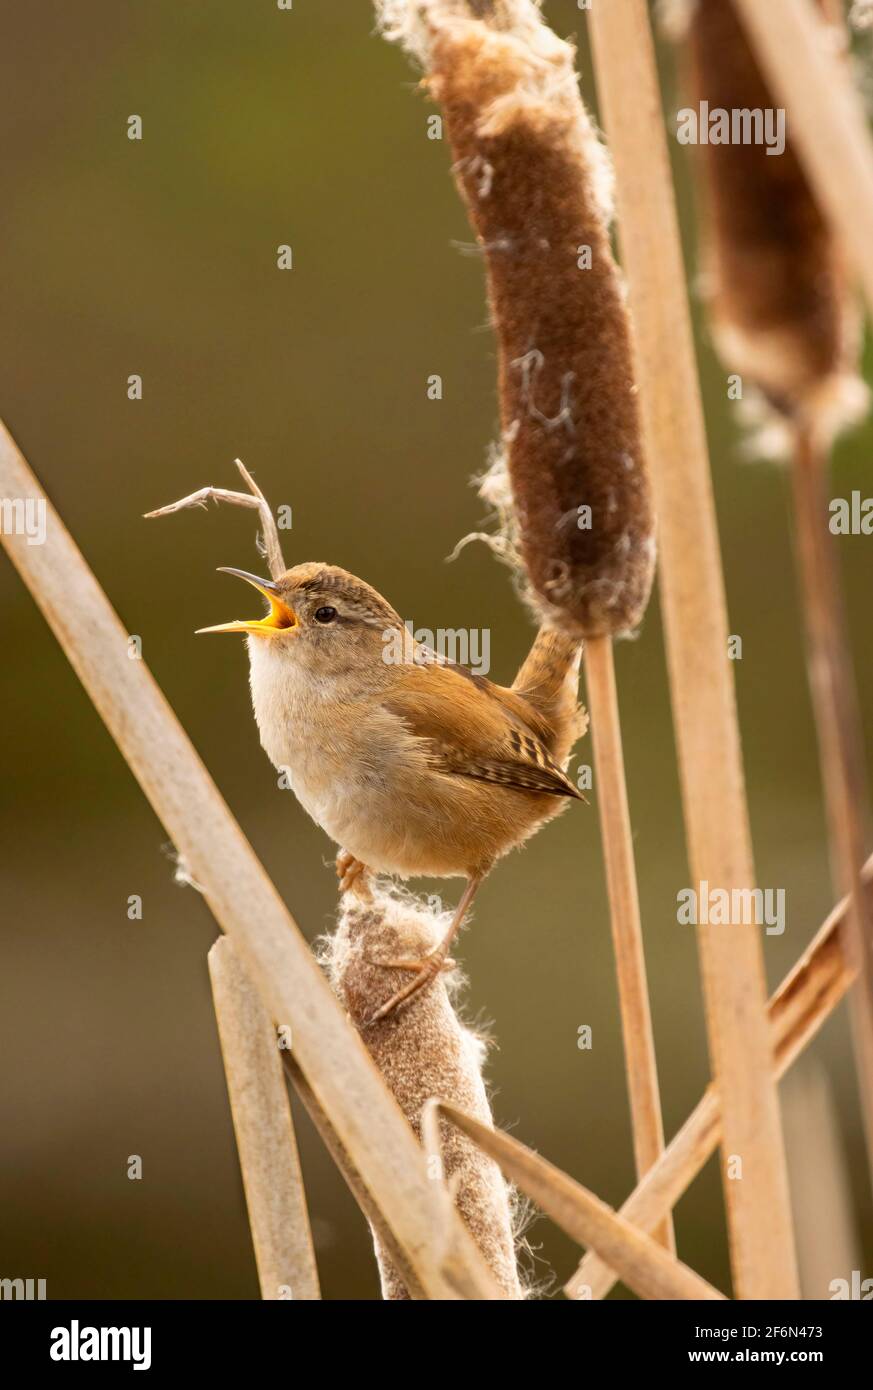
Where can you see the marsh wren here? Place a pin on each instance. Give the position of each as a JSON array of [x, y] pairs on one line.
[[414, 766]]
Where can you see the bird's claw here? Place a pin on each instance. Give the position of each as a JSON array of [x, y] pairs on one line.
[[425, 972], [352, 875]]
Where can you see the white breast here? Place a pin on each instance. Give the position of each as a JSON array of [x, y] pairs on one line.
[[319, 749], [353, 766]]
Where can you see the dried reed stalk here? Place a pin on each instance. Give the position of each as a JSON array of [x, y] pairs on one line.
[[264, 1132], [840, 738], [645, 1266], [572, 481], [803, 1002], [422, 1051], [621, 877], [704, 709], [784, 316], [243, 900], [826, 119]]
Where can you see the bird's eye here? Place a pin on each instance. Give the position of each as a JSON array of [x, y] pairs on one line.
[[325, 615]]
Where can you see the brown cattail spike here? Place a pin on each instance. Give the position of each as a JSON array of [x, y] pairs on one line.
[[780, 305], [536, 183]]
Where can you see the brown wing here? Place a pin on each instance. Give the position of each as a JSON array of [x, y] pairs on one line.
[[472, 728]]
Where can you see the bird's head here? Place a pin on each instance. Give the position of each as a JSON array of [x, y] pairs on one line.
[[320, 617]]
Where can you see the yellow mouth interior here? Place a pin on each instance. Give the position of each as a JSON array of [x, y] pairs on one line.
[[279, 619]]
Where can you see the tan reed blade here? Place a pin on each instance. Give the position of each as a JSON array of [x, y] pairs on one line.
[[784, 315], [243, 900], [704, 709], [841, 745], [639, 1050], [268, 1156]]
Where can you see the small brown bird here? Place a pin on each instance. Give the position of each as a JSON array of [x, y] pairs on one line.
[[412, 764]]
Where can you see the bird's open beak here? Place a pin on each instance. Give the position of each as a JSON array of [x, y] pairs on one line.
[[279, 619]]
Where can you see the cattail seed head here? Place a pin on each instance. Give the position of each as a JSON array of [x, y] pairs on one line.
[[536, 182], [422, 1050], [781, 307]]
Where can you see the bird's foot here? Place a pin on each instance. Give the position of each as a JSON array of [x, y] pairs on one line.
[[352, 875], [424, 972]]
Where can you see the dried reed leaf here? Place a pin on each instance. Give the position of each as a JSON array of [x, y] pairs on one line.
[[265, 1139], [627, 936], [784, 315], [840, 739], [692, 590]]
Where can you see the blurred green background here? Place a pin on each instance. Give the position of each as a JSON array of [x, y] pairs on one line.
[[264, 127]]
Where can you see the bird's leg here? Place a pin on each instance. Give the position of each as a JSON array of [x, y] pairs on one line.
[[426, 970], [351, 874]]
